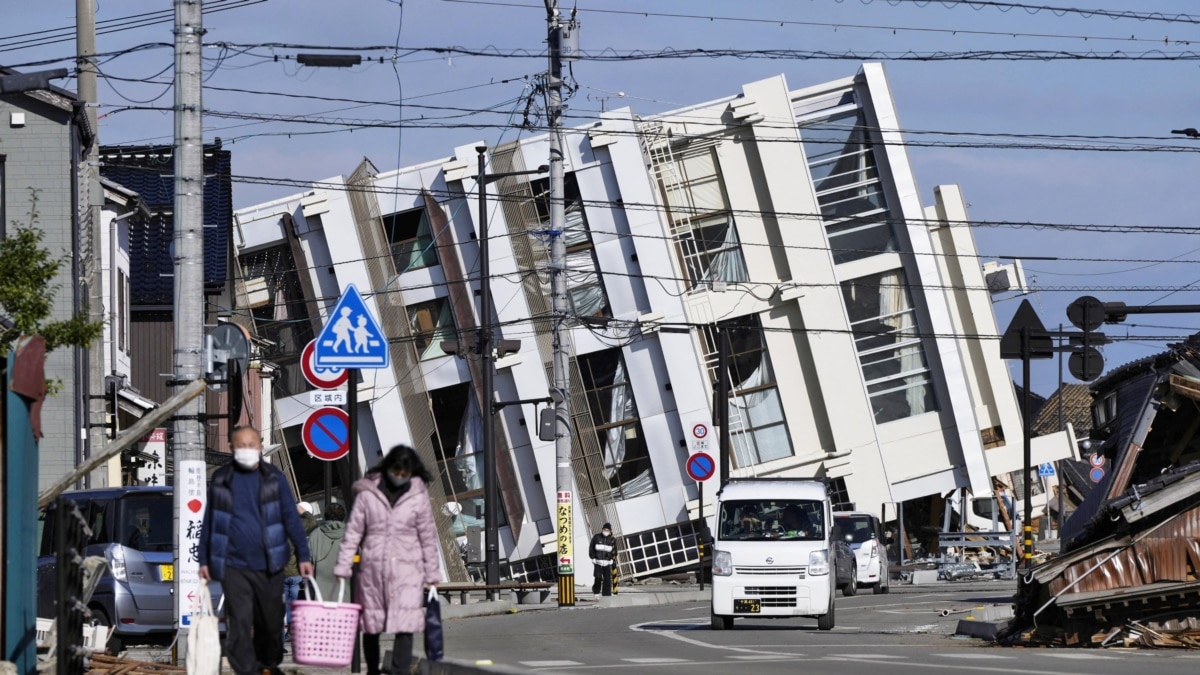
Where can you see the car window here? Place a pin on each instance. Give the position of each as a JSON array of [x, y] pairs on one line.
[[46, 532], [770, 519], [98, 522], [146, 522], [859, 528]]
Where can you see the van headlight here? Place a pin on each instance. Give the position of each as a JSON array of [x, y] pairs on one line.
[[722, 564], [116, 561], [818, 562]]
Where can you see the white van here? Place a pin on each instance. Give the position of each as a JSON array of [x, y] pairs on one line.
[[772, 553]]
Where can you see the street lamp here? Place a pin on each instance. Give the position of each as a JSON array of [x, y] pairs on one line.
[[483, 345]]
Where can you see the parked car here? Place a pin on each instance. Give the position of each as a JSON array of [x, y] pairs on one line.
[[133, 528], [863, 535]]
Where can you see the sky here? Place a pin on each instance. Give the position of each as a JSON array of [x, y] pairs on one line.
[[1087, 219]]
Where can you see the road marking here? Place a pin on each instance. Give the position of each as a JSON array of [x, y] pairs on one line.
[[648, 627], [975, 655], [865, 656], [760, 657], [1081, 656], [957, 667], [653, 660], [550, 664]]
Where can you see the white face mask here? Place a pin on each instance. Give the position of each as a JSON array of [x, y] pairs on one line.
[[247, 458], [397, 481]]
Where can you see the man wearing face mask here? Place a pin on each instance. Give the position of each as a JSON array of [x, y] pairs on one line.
[[603, 552], [251, 516]]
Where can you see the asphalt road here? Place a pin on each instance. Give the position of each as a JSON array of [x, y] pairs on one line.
[[897, 633]]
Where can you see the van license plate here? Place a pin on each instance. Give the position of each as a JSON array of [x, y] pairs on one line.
[[166, 572], [747, 605]]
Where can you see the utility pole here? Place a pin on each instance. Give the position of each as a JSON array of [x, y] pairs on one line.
[[190, 481], [560, 392], [89, 276]]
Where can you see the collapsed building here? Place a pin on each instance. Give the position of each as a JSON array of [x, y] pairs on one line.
[[1129, 571]]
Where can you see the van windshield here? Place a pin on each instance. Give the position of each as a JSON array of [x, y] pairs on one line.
[[857, 529], [771, 519], [146, 521]]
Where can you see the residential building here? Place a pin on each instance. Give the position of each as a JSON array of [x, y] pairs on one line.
[[789, 222]]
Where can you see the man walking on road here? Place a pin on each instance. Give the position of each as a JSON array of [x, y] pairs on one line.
[[603, 551], [250, 518]]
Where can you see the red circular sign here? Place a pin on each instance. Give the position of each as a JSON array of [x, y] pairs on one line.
[[700, 430], [326, 433], [701, 466], [321, 378]]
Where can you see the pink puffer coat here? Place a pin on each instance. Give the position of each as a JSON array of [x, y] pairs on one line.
[[399, 556]]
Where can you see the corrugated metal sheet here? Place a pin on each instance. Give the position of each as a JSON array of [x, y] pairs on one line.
[[151, 340], [1170, 554]]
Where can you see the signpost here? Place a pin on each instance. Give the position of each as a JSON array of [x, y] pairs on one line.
[[352, 338]]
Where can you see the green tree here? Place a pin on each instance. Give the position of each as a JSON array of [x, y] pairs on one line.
[[27, 271]]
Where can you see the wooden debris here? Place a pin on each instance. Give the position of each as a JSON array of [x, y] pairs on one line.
[[106, 664]]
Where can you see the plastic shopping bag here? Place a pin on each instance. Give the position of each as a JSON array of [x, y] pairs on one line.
[[204, 638], [435, 645]]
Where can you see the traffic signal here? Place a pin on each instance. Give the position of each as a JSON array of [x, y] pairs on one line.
[[1087, 314]]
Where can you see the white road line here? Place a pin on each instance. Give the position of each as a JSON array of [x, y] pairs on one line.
[[957, 667], [761, 657], [864, 657], [655, 660], [674, 635], [976, 656], [550, 664], [1080, 656]]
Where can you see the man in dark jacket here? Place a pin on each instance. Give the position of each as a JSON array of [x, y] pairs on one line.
[[603, 551], [250, 518]]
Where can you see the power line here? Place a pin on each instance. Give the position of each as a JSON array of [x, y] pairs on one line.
[[979, 5], [837, 26]]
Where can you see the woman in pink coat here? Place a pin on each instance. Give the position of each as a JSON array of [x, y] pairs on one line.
[[393, 520]]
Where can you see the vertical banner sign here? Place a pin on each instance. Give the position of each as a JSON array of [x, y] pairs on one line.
[[190, 479], [566, 535]]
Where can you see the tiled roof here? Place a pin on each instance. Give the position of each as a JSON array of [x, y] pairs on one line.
[[1076, 408], [150, 171]]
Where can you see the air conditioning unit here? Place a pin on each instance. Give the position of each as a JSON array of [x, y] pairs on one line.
[[257, 293]]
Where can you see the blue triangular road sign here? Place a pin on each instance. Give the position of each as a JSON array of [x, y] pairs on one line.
[[351, 337]]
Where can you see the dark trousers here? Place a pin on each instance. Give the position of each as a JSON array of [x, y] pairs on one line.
[[254, 612], [602, 579], [402, 648]]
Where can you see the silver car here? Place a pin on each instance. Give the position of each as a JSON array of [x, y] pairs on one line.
[[133, 528]]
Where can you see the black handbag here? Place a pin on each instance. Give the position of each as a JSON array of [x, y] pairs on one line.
[[435, 645]]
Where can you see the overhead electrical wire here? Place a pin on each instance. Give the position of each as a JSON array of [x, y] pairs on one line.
[[1087, 13], [764, 21]]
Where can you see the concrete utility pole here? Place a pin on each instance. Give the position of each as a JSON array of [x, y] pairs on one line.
[[560, 393], [190, 489], [89, 238]]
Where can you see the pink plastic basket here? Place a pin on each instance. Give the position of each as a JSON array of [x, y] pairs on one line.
[[323, 632]]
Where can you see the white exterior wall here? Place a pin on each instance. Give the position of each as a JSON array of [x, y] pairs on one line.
[[795, 293]]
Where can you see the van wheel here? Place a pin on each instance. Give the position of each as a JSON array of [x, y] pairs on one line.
[[722, 622], [851, 588], [826, 620], [115, 644]]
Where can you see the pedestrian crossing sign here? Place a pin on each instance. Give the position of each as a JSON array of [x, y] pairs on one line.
[[351, 337]]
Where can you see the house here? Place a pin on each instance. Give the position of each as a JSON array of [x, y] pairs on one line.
[[785, 220], [44, 137]]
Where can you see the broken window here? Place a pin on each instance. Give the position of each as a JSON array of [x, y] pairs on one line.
[[842, 166], [410, 240], [431, 322], [702, 224], [615, 416], [890, 351], [585, 288]]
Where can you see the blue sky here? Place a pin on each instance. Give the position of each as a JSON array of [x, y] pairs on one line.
[[1142, 98]]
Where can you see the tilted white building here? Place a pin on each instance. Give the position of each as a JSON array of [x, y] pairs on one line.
[[860, 325]]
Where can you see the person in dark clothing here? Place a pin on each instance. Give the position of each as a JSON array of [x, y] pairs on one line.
[[603, 551], [250, 518]]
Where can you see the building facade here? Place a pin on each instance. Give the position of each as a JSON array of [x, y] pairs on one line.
[[786, 222]]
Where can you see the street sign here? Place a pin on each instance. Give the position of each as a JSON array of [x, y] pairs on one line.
[[326, 397], [326, 434], [1086, 313], [699, 435], [1046, 470], [351, 337], [700, 466], [321, 378], [1040, 344]]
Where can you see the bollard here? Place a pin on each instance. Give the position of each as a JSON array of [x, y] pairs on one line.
[[616, 575]]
